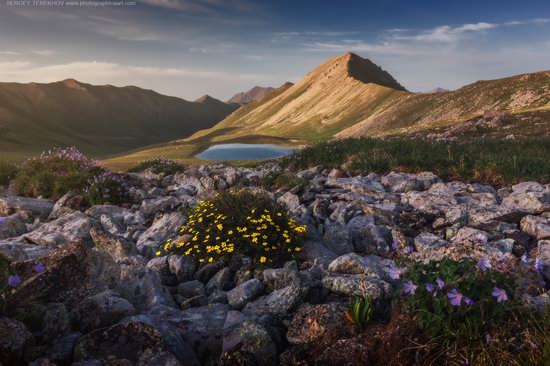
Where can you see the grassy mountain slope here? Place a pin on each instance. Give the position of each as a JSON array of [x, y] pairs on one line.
[[340, 92], [416, 112], [100, 120]]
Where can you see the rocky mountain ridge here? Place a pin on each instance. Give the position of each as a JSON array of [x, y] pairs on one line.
[[169, 310]]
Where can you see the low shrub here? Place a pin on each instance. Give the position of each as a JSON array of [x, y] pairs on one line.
[[54, 173], [458, 299], [105, 188], [158, 166], [239, 221], [7, 172]]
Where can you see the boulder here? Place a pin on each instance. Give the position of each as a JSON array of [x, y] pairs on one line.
[[96, 211], [160, 265], [222, 280], [344, 352], [76, 270], [243, 335], [15, 339], [279, 302], [152, 206], [115, 246], [352, 263], [244, 293], [470, 235], [191, 289], [155, 237], [28, 208], [183, 267], [18, 249], [12, 226], [61, 351], [75, 226], [101, 310], [143, 288], [70, 202], [313, 323], [357, 285], [55, 322], [536, 226], [533, 203], [543, 258], [129, 343], [428, 241]]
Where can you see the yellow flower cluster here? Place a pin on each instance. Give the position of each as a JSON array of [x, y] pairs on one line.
[[263, 234]]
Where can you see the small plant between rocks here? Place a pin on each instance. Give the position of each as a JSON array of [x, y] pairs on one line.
[[359, 311], [240, 222], [106, 187]]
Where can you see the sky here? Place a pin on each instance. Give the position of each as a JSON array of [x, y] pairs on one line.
[[188, 48]]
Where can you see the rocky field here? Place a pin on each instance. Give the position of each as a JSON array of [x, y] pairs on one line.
[[89, 289]]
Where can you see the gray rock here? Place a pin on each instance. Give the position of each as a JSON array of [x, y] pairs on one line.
[[15, 340], [18, 249], [222, 280], [244, 335], [533, 203], [525, 187], [71, 201], [403, 182], [12, 226], [160, 265], [184, 267], [96, 211], [124, 343], [469, 235], [313, 323], [159, 204], [314, 249], [202, 328], [357, 285], [155, 237], [536, 226], [61, 351], [143, 288], [338, 239], [276, 278], [243, 294], [359, 184], [101, 310], [191, 289], [291, 201], [280, 301], [352, 263], [217, 297], [117, 247], [113, 224], [28, 208], [75, 226], [55, 322], [428, 241]]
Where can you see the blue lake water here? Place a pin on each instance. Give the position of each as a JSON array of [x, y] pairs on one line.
[[243, 152]]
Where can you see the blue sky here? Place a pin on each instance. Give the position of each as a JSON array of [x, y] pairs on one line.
[[188, 48]]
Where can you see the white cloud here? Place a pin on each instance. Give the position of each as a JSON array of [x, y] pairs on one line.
[[8, 53]]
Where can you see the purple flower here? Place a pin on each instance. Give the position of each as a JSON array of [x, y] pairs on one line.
[[538, 265], [429, 287], [440, 283], [483, 264], [39, 267], [409, 287], [394, 273], [455, 297], [524, 258], [394, 244], [499, 294], [14, 280], [468, 301], [409, 249], [2, 220]]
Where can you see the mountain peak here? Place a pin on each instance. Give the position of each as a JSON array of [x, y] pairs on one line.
[[255, 94], [365, 70], [206, 99]]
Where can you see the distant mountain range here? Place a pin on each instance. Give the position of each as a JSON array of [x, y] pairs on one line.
[[255, 94], [348, 96], [345, 96], [99, 119]]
